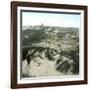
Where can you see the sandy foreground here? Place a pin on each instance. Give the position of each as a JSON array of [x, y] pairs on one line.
[[46, 68]]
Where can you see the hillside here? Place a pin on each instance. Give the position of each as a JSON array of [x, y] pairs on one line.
[[58, 45]]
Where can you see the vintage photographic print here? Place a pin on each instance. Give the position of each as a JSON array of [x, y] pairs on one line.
[[48, 44]]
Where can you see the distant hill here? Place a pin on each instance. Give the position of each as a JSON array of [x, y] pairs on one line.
[[36, 35]]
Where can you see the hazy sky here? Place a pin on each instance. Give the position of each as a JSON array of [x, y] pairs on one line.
[[52, 19]]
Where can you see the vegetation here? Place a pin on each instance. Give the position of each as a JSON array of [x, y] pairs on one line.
[[58, 44]]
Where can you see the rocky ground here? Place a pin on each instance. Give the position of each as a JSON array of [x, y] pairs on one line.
[[50, 51]]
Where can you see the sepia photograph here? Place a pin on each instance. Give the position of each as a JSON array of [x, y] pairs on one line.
[[50, 44]]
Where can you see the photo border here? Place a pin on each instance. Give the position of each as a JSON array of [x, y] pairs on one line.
[[14, 5]]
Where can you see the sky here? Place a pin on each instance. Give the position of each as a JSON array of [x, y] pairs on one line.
[[51, 19]]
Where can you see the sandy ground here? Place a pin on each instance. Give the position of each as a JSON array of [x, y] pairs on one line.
[[46, 68]]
